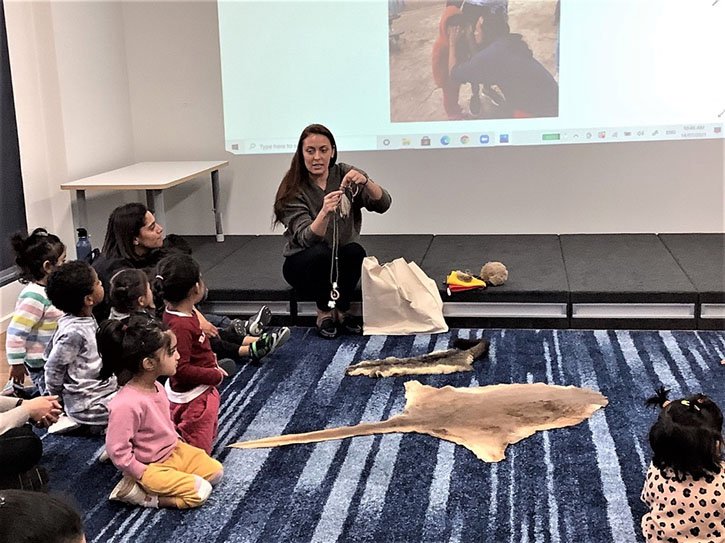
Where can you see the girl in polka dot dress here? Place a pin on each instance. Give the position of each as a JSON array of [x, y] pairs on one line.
[[685, 485]]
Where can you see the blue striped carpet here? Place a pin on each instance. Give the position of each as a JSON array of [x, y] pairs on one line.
[[577, 484]]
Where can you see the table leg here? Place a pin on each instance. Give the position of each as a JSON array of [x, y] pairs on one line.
[[82, 209], [215, 205], [155, 203]]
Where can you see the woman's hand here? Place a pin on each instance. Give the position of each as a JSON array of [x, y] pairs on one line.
[[18, 373], [331, 202], [353, 177], [44, 410]]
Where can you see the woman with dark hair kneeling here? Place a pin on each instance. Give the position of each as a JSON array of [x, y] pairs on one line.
[[320, 203]]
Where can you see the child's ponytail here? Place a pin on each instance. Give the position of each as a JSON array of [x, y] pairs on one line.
[[127, 286], [124, 344], [32, 251], [659, 399], [109, 338], [176, 275]]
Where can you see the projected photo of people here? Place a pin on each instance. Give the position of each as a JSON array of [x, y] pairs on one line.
[[473, 59]]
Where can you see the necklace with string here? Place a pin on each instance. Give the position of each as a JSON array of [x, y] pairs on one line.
[[343, 210]]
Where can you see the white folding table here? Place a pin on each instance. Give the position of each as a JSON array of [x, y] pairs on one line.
[[153, 177]]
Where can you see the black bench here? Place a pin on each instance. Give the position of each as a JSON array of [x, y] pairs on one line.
[[670, 281]]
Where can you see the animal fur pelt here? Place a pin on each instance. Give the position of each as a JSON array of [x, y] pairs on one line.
[[460, 358], [485, 420]]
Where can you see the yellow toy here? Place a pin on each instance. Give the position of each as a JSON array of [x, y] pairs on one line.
[[458, 281]]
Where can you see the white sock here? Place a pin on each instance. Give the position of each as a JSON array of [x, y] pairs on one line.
[[218, 477]]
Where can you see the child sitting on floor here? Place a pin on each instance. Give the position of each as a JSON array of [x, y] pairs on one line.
[[34, 319], [685, 485], [159, 469], [192, 390], [72, 371], [130, 292]]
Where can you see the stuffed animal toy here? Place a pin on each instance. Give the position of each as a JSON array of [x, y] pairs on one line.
[[494, 273]]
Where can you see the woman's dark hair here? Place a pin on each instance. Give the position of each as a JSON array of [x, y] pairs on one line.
[[124, 224], [35, 517], [297, 174], [32, 251], [176, 275], [687, 436], [495, 19], [124, 344], [127, 286], [69, 284]]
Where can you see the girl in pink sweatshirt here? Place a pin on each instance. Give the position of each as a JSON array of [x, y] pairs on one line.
[[159, 469]]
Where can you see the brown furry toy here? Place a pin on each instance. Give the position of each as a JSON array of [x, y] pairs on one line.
[[494, 273]]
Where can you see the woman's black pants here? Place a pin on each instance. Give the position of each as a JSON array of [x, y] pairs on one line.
[[308, 272], [20, 450]]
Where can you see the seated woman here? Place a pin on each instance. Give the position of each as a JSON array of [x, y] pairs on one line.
[[133, 240], [517, 83], [320, 202]]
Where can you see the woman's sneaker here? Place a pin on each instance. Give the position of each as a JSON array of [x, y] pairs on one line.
[[327, 328], [268, 343], [351, 324], [254, 326]]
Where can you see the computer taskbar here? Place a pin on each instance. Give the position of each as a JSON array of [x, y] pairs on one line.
[[490, 138]]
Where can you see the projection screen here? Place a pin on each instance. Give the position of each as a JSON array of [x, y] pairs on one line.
[[381, 74]]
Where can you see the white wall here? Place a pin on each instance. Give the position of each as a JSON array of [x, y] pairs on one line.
[[102, 84], [72, 104]]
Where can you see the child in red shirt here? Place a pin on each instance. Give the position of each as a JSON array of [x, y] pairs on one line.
[[192, 389]]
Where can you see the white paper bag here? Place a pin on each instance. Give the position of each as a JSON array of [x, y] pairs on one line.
[[400, 299]]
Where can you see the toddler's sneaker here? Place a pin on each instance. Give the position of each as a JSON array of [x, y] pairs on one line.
[[129, 491], [254, 326], [63, 425], [268, 343], [228, 365], [103, 457]]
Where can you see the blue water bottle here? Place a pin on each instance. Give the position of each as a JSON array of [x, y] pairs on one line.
[[83, 245]]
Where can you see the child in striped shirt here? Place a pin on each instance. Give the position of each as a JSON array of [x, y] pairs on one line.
[[35, 319]]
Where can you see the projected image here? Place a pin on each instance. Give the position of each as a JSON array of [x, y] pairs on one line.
[[473, 59]]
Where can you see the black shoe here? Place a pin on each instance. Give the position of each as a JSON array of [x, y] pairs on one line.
[[352, 325], [228, 365], [254, 326], [327, 328]]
